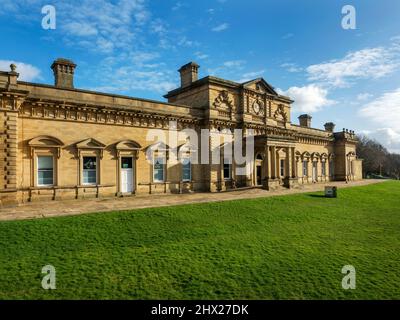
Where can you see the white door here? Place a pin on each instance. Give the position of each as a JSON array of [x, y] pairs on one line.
[[126, 175]]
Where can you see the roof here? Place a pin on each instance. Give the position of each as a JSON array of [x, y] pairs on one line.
[[226, 83]]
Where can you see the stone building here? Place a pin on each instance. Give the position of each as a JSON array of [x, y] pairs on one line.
[[58, 142]]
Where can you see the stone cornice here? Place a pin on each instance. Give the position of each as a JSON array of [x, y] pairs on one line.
[[12, 100], [102, 115]]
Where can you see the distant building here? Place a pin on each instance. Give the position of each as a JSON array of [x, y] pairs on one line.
[[58, 142]]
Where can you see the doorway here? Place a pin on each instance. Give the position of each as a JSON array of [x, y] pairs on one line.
[[127, 177], [258, 174], [258, 170]]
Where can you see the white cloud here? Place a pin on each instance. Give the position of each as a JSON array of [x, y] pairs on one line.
[[185, 42], [102, 25], [144, 73], [220, 27], [251, 76], [201, 56], [129, 79], [141, 57], [310, 98], [227, 68], [80, 29], [388, 137], [370, 63], [291, 67], [27, 72], [364, 96], [234, 63], [385, 110], [158, 26], [178, 6]]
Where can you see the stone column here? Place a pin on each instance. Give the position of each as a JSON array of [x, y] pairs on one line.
[[265, 168], [289, 163], [294, 163], [277, 164], [267, 161], [269, 166], [273, 162]]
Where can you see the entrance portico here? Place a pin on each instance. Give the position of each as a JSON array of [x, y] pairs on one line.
[[278, 164]]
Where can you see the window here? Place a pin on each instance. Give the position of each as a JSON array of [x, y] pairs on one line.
[[158, 169], [282, 168], [126, 163], [323, 168], [331, 168], [186, 169], [90, 170], [45, 172], [227, 170], [305, 168], [315, 171]]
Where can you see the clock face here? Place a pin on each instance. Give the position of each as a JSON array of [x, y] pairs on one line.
[[256, 107]]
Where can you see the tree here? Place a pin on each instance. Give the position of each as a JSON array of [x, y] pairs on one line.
[[377, 159]]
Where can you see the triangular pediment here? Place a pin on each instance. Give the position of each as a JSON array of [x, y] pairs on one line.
[[90, 144], [260, 85]]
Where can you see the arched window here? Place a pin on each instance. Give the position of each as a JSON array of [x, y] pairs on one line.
[[324, 158], [331, 159], [45, 152], [305, 158]]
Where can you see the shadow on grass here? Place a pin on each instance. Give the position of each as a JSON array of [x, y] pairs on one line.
[[317, 196]]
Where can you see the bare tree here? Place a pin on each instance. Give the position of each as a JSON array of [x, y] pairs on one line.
[[377, 159]]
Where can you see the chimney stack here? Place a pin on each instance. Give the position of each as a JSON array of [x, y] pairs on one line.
[[305, 120], [329, 126], [189, 74], [63, 73]]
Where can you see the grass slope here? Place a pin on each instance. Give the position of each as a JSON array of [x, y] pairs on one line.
[[288, 247]]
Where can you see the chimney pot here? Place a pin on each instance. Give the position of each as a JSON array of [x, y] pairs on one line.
[[330, 126], [189, 74], [305, 120], [63, 73]]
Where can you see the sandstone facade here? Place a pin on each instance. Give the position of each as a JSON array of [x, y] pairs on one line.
[[58, 142]]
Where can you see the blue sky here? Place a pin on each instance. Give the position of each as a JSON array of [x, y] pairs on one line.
[[134, 47]]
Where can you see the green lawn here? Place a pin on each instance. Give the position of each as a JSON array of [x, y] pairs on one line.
[[288, 247]]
